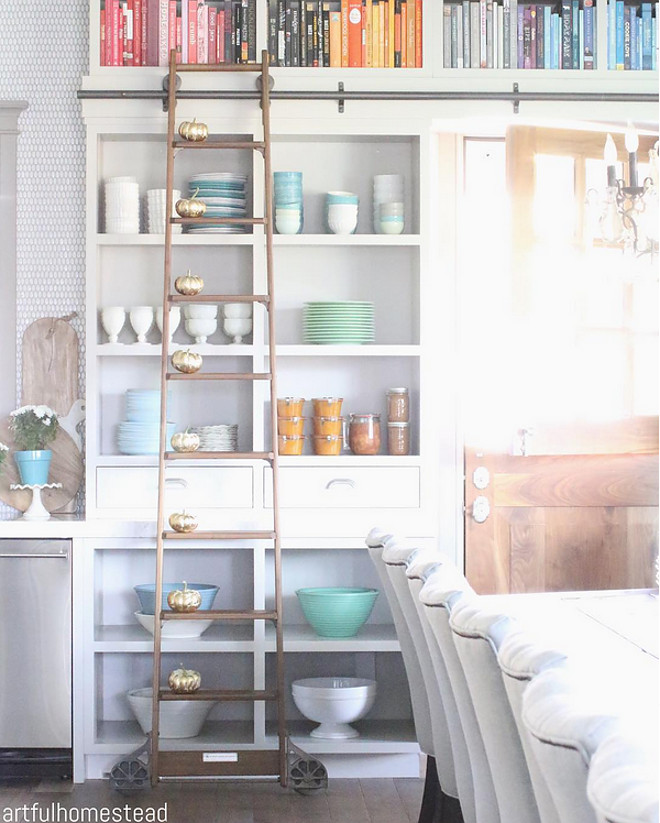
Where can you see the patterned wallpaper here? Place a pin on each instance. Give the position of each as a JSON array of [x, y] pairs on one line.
[[43, 55]]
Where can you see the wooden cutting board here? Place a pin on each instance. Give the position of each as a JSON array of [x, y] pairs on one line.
[[66, 468], [50, 364]]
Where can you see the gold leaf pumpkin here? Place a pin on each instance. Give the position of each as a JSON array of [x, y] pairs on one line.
[[184, 681], [187, 361], [183, 522], [186, 441], [189, 284], [193, 131], [190, 206], [184, 600]]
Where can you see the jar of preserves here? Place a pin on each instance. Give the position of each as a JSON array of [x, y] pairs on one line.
[[290, 444], [290, 406], [327, 444], [327, 406], [398, 405], [398, 438], [328, 425], [290, 425], [364, 433]]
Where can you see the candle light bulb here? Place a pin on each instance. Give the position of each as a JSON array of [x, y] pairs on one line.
[[609, 154], [632, 140]]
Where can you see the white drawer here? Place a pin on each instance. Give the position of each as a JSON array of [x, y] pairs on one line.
[[341, 487], [136, 487]]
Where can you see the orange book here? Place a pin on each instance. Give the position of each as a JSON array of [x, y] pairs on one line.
[[355, 33], [369, 35], [381, 35], [404, 33], [386, 35], [375, 32], [363, 35], [335, 39], [418, 34], [390, 39], [411, 35], [344, 33], [102, 57]]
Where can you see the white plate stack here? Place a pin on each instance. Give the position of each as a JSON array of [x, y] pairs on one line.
[[220, 438], [388, 188], [122, 205], [156, 200]]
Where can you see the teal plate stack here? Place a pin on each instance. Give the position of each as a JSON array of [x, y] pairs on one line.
[[337, 611], [340, 321]]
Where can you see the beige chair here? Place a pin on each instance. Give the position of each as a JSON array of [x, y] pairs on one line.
[[444, 588], [566, 726]]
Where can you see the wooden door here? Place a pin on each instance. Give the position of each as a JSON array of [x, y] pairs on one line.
[[560, 411]]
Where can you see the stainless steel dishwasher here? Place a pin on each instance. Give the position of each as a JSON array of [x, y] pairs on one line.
[[35, 658]]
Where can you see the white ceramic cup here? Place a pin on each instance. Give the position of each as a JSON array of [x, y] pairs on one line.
[[237, 310], [112, 320], [201, 311], [200, 329], [142, 318], [175, 319], [237, 328]]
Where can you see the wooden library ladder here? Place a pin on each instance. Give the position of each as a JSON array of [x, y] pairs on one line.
[[250, 762]]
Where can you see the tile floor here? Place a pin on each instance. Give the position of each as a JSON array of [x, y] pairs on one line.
[[345, 801]]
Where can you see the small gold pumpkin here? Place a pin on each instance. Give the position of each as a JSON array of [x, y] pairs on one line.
[[193, 131], [187, 361], [184, 681], [183, 522], [186, 441], [189, 284], [190, 206], [184, 600]]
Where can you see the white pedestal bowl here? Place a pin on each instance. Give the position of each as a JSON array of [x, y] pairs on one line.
[[334, 702]]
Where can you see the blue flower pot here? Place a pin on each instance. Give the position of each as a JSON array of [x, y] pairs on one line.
[[33, 466]]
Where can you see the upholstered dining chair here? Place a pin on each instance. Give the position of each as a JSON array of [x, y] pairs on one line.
[[622, 785], [444, 588], [478, 632], [522, 657], [419, 565], [566, 727], [438, 782]]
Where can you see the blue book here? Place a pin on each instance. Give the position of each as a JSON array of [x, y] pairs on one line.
[[589, 35], [554, 40], [575, 46], [620, 13], [634, 66], [547, 12], [654, 44], [647, 37], [611, 34]]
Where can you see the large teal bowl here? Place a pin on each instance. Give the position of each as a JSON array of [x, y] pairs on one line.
[[337, 611]]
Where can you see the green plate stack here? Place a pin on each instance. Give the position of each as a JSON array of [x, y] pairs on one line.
[[339, 322]]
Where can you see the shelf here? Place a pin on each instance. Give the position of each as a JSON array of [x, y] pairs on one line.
[[374, 637], [154, 349], [247, 239], [120, 736], [127, 460], [177, 240], [376, 737], [133, 638], [339, 350], [352, 460], [346, 240]]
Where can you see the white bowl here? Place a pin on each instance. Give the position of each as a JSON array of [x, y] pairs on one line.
[[179, 629], [342, 224], [237, 310], [334, 702], [178, 718], [237, 327], [391, 226], [287, 225], [200, 311], [201, 329]]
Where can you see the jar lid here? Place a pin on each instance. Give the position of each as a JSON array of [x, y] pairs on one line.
[[331, 419], [398, 425], [328, 399], [363, 417], [291, 419], [291, 436], [398, 390], [327, 437], [291, 399]]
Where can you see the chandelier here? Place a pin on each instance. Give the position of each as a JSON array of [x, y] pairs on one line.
[[628, 214]]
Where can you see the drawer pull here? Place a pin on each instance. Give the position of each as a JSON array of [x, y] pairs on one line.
[[176, 481], [340, 481]]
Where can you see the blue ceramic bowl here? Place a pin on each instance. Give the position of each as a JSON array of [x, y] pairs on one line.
[[146, 593], [337, 611]]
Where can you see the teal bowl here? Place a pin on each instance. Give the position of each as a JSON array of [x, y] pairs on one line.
[[337, 611]]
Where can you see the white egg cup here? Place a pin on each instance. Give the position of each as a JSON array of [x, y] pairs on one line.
[[201, 328], [112, 320], [142, 318], [237, 328], [175, 320]]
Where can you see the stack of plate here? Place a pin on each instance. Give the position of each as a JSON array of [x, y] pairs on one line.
[[220, 438], [224, 196], [140, 432], [143, 405], [348, 321]]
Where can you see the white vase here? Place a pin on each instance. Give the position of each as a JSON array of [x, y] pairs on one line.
[[175, 319], [142, 318], [112, 320]]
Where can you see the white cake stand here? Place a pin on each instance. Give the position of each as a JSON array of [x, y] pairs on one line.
[[36, 510]]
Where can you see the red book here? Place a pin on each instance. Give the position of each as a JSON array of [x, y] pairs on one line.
[[102, 40], [355, 33], [120, 35], [171, 29], [213, 35], [404, 33], [163, 32], [179, 40], [192, 31], [152, 7], [344, 33], [137, 32], [221, 36], [129, 33], [143, 55], [418, 34], [202, 32]]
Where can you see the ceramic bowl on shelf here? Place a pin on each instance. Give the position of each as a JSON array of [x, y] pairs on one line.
[[174, 629], [200, 329], [146, 595], [337, 611], [202, 311], [237, 328], [237, 310], [334, 702], [177, 718]]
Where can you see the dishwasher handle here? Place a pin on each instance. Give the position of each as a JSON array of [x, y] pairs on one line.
[[44, 556]]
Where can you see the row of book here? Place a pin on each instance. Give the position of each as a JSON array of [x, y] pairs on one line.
[[632, 36], [143, 32], [345, 33]]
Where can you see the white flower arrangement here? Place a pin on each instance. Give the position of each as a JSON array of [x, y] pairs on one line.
[[33, 427]]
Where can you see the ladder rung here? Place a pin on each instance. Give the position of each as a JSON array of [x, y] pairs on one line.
[[219, 144], [219, 694], [220, 221], [223, 67], [219, 298], [219, 535], [220, 614], [198, 455], [219, 376]]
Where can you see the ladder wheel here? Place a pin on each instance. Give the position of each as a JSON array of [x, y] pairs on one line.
[[128, 776], [308, 775]]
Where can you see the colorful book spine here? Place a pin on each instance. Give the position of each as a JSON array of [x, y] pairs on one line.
[[102, 39], [137, 33], [458, 11], [566, 35], [178, 39], [547, 26], [171, 29], [213, 35], [244, 31], [540, 38], [626, 38], [252, 31], [634, 44], [326, 34], [419, 34], [390, 30], [575, 34], [410, 46], [220, 35], [620, 15], [203, 33], [647, 37], [589, 35], [192, 30]]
